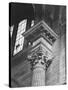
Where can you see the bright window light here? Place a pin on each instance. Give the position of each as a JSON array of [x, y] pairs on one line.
[[20, 38]]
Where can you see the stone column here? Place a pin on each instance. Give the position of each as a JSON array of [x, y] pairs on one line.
[[38, 62], [38, 78]]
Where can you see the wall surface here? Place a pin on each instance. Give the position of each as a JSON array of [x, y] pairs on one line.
[[55, 74]]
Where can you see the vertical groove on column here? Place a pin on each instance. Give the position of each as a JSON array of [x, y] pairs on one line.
[[38, 78]]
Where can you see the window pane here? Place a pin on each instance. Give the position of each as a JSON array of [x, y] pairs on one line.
[[20, 38], [32, 23], [11, 30]]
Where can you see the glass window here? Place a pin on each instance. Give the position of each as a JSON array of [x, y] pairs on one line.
[[11, 30], [19, 38], [32, 23]]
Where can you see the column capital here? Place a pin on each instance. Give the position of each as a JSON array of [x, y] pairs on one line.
[[37, 58]]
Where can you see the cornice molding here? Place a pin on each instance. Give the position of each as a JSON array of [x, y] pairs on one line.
[[41, 26], [38, 25]]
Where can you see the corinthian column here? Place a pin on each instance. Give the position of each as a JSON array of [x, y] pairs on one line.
[[38, 78], [38, 61]]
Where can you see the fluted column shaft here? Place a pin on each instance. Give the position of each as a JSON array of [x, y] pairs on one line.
[[38, 78], [38, 63]]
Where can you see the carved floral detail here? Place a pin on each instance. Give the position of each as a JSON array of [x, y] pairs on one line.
[[38, 57]]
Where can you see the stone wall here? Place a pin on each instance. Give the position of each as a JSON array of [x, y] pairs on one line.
[[55, 74], [21, 75]]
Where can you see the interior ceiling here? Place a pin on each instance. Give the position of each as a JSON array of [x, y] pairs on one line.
[[19, 11], [50, 13]]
